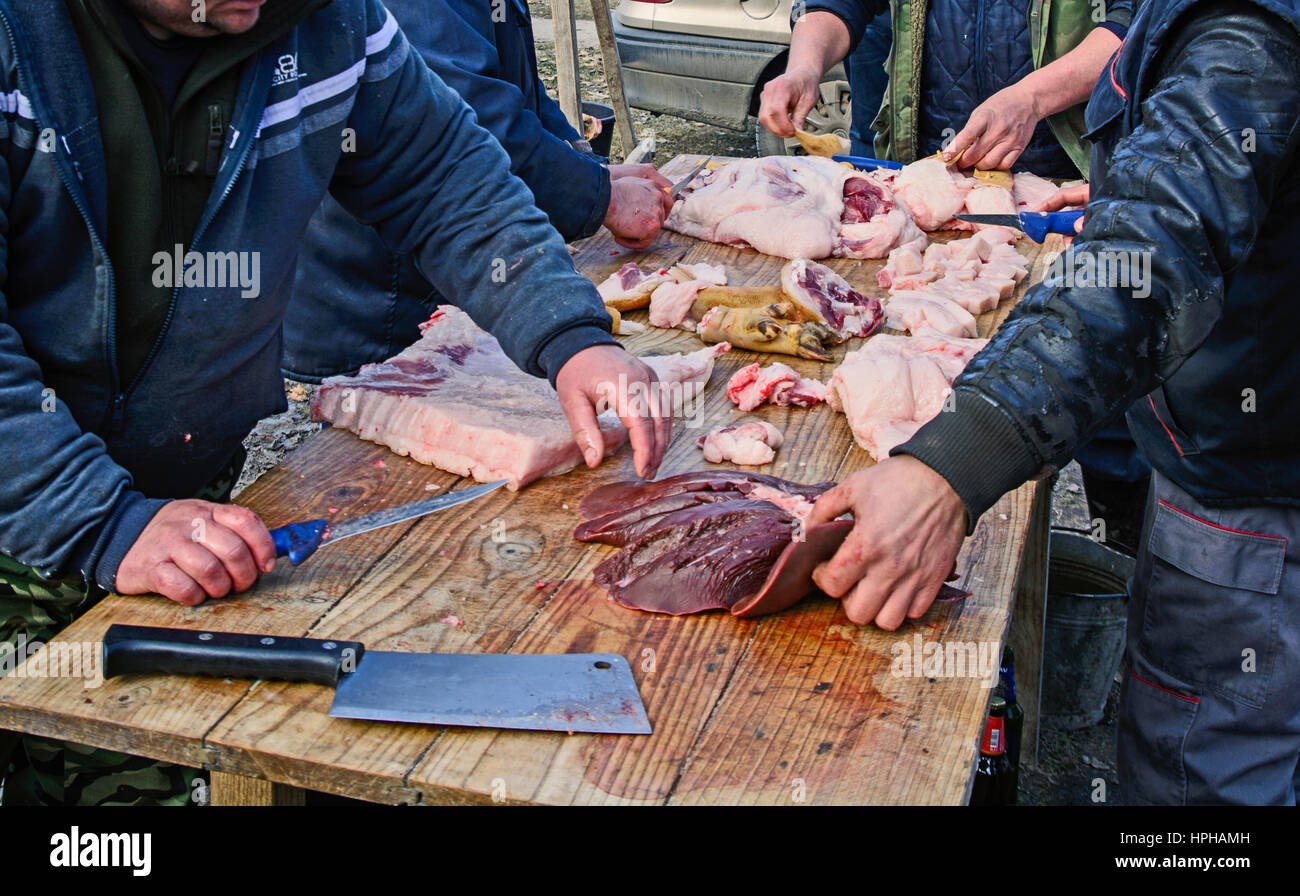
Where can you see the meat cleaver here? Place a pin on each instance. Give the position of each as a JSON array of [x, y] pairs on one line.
[[587, 692]]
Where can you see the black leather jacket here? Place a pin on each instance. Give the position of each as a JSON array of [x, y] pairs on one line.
[[1196, 171]]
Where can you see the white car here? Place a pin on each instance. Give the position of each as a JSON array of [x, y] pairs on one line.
[[707, 60]]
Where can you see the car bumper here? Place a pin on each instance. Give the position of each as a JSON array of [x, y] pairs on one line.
[[705, 79]]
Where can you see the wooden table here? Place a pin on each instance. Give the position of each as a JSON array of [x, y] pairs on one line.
[[797, 707]]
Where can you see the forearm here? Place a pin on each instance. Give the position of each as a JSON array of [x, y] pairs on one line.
[[1069, 80], [817, 42]]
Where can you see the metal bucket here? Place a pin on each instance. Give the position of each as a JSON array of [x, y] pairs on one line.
[[1083, 637]]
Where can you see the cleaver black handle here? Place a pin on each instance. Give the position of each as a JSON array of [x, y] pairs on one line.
[[173, 651]]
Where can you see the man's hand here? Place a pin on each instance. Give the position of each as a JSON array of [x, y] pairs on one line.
[[787, 99], [637, 209], [1068, 196], [998, 131], [192, 550], [908, 527], [605, 375], [1063, 198], [643, 170]]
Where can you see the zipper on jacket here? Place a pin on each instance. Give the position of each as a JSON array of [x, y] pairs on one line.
[[119, 407], [170, 170], [216, 137], [980, 54]]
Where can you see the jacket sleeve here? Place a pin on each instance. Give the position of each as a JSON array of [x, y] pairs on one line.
[[1119, 15], [456, 39], [65, 505], [856, 14], [1185, 192], [436, 185]]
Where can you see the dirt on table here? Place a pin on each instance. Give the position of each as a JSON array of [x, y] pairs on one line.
[[1073, 767]]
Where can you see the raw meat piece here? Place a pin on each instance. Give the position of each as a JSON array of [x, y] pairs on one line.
[[904, 269], [1030, 190], [797, 506], [454, 400], [837, 304], [911, 309], [683, 376], [893, 385], [874, 222], [713, 273], [749, 444], [791, 575], [670, 304], [777, 384], [793, 207], [708, 564], [987, 199], [975, 296], [780, 205], [630, 523], [748, 553], [744, 551], [619, 497], [629, 287], [932, 191]]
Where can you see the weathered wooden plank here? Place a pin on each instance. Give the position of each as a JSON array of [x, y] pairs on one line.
[[613, 73], [1029, 618], [567, 80], [236, 790]]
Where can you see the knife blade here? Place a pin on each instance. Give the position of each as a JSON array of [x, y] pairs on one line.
[[587, 692], [298, 541], [676, 188], [1036, 225]]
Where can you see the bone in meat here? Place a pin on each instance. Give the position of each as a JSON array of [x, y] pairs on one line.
[[837, 304]]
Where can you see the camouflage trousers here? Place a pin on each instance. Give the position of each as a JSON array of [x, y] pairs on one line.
[[40, 771]]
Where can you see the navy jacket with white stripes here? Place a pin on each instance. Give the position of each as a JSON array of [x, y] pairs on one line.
[[87, 460]]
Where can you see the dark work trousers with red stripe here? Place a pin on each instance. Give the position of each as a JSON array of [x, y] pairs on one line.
[[1210, 706]]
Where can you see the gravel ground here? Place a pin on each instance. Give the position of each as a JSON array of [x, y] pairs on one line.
[[1069, 762]]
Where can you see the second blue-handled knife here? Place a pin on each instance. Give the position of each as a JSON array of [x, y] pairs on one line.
[[298, 541], [862, 163], [1036, 225]]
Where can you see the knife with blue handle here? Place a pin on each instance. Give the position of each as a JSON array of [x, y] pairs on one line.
[[862, 163], [1036, 225], [298, 541]]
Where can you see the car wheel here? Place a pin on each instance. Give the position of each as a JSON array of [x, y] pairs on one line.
[[832, 115]]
